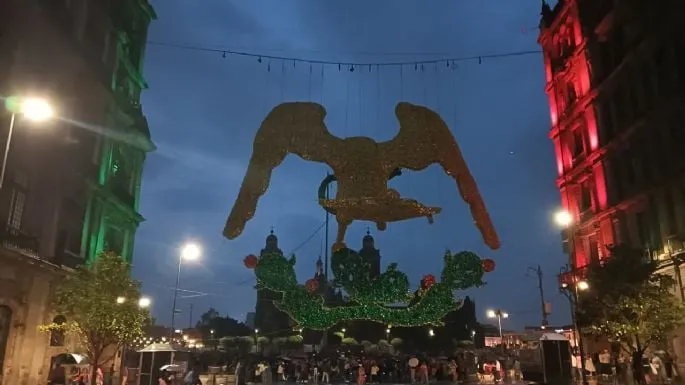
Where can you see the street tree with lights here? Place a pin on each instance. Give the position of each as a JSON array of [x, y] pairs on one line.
[[629, 300], [103, 308]]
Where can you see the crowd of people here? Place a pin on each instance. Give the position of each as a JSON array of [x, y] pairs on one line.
[[374, 370]]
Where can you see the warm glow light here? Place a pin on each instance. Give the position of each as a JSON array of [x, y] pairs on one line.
[[583, 285], [505, 315], [36, 109], [431, 332], [491, 314], [563, 218], [191, 252], [343, 330], [144, 302], [256, 331], [387, 331], [121, 300]]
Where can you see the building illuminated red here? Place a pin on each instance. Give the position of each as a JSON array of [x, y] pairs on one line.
[[615, 78], [615, 82]]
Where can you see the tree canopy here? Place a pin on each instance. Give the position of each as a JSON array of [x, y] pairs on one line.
[[211, 320], [100, 304], [629, 300]]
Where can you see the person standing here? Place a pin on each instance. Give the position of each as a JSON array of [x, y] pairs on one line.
[[413, 364], [374, 372], [326, 369], [236, 374], [361, 375], [423, 373]]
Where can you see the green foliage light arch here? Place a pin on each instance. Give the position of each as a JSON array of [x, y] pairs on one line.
[[371, 298]]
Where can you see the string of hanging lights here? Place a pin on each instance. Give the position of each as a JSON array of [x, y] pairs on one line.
[[419, 65]]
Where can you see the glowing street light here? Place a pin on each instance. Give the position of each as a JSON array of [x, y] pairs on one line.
[[189, 252], [34, 109], [563, 218], [144, 302], [121, 300], [582, 285]]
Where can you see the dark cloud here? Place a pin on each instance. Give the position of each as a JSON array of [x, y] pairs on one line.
[[204, 110]]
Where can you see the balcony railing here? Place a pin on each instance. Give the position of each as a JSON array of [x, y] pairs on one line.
[[68, 259], [12, 238]]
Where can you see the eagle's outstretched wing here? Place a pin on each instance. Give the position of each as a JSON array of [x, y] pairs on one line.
[[290, 128], [425, 139]]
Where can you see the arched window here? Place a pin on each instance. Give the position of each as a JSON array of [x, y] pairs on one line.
[[57, 336], [5, 324]]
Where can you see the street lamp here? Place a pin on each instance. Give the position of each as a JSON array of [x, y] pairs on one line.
[[144, 302], [572, 290], [189, 252], [563, 218], [34, 109], [499, 314]]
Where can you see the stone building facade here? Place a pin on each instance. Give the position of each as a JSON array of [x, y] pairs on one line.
[[72, 183], [615, 78]]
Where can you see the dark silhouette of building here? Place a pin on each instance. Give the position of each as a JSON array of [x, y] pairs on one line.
[[268, 319], [371, 255], [460, 324], [69, 192]]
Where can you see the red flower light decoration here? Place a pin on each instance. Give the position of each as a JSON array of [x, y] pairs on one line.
[[311, 285], [428, 281], [251, 261], [488, 265]]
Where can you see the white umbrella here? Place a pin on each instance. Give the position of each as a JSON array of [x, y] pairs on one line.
[[171, 368]]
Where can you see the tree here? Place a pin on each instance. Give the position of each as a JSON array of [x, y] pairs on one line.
[[100, 304], [211, 320], [629, 300]]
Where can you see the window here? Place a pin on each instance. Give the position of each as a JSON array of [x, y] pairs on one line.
[[618, 182], [5, 325], [586, 197], [114, 240], [642, 229], [593, 244], [57, 336], [578, 143], [671, 223], [17, 201], [71, 227], [606, 121], [105, 56]]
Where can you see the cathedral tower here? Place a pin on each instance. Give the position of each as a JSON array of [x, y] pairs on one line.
[[371, 255], [268, 319]]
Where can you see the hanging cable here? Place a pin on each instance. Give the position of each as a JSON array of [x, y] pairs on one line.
[[351, 66]]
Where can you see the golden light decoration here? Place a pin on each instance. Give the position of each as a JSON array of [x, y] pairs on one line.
[[361, 166]]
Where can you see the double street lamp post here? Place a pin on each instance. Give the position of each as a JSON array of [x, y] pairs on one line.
[[571, 287], [572, 290], [499, 314]]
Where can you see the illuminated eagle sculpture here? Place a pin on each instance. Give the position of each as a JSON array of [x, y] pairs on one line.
[[361, 166]]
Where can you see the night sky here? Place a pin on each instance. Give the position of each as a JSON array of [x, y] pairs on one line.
[[204, 111]]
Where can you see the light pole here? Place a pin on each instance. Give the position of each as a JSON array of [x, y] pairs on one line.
[[34, 109], [499, 314], [571, 288], [190, 252], [143, 303]]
